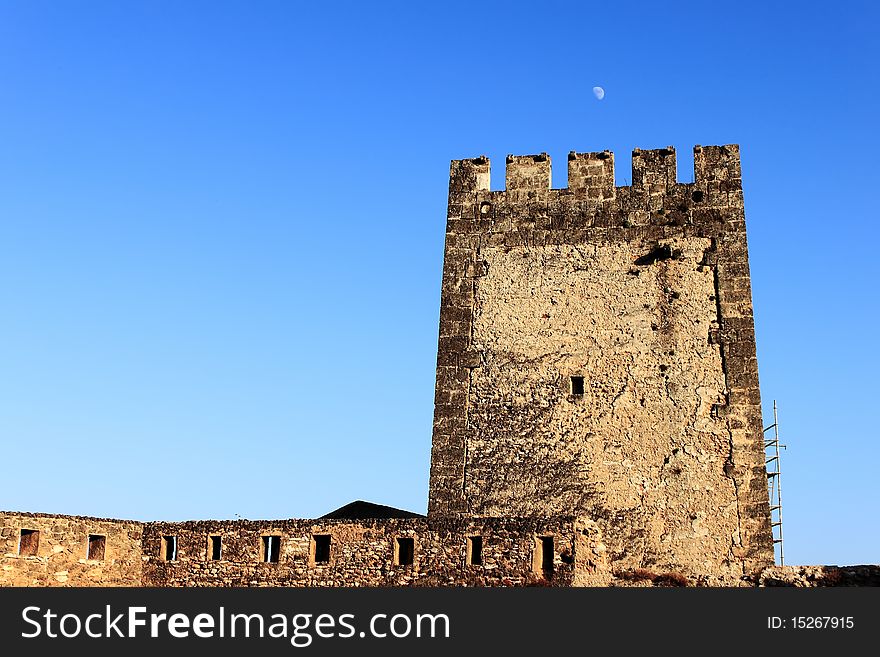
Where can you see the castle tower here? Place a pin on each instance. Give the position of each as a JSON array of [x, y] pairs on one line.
[[597, 356]]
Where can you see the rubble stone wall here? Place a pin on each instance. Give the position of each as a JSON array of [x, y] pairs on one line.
[[364, 553], [62, 551]]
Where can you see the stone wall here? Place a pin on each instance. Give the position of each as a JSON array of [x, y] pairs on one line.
[[364, 553], [641, 295], [361, 553], [59, 554], [818, 576], [511, 552]]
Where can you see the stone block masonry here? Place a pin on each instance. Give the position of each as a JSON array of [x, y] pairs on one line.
[[597, 357], [562, 551], [378, 552], [45, 550]]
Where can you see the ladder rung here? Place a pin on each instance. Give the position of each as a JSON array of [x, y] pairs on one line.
[[777, 540]]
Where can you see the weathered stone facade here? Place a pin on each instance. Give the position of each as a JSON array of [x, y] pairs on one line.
[[361, 553], [61, 551], [443, 552], [597, 357], [597, 413], [366, 553], [818, 576]]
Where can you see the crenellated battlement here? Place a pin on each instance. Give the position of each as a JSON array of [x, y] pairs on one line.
[[528, 172], [591, 175]]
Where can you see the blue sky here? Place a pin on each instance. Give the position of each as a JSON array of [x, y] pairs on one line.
[[221, 233]]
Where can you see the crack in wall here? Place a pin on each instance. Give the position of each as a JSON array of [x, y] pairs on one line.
[[730, 465]]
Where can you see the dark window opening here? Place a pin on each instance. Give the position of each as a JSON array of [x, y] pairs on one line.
[[271, 549], [97, 545], [29, 542], [405, 549], [577, 386], [216, 548], [322, 548], [169, 548], [658, 254], [547, 552], [475, 550]]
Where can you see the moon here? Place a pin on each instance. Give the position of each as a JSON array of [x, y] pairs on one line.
[[599, 93]]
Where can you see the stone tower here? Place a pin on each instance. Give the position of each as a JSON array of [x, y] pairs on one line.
[[597, 356]]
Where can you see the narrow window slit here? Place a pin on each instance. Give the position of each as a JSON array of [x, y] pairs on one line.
[[97, 546], [321, 548], [475, 550], [169, 548], [404, 551], [271, 549], [542, 562], [29, 542]]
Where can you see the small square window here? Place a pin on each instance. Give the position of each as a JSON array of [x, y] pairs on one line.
[[169, 548], [404, 551], [29, 543], [475, 550], [271, 549], [215, 548], [97, 546], [321, 548], [577, 386]]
